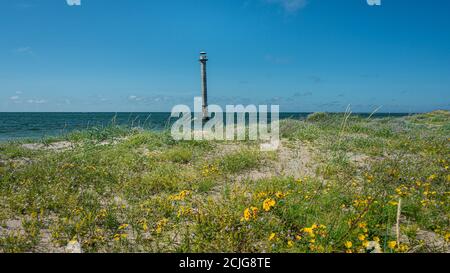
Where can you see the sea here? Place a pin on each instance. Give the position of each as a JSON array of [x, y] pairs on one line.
[[21, 126]]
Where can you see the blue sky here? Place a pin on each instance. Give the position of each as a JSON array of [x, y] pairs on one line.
[[136, 55]]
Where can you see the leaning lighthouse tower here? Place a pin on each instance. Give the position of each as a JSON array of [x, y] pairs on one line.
[[203, 60]]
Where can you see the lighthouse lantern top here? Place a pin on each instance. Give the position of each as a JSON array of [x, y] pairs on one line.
[[203, 56]]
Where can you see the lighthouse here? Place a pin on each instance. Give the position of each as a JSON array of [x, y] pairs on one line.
[[203, 60]]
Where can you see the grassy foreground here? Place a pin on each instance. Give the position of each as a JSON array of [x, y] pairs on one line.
[[338, 184]]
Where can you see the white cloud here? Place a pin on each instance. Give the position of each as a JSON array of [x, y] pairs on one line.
[[290, 6], [25, 50], [73, 2], [36, 101], [15, 99], [134, 98]]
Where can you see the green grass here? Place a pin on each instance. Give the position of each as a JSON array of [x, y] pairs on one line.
[[242, 160], [126, 190], [179, 155]]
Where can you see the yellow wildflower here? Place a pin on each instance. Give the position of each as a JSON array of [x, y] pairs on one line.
[[403, 248], [272, 236], [160, 225], [365, 244], [280, 195], [310, 231], [369, 177], [361, 237], [247, 214], [392, 244], [268, 204], [124, 226], [290, 244], [262, 195], [348, 244], [179, 197], [250, 213], [362, 225]]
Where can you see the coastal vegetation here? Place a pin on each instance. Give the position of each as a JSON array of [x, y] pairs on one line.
[[339, 183]]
